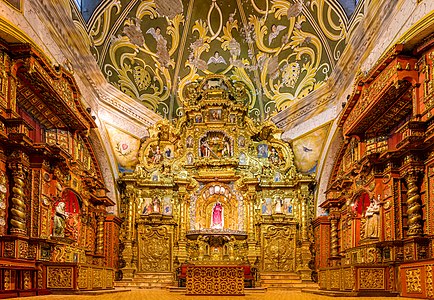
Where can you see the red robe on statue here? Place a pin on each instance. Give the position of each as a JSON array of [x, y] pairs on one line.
[[217, 216]]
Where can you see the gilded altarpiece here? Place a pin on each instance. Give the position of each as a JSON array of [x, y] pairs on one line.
[[215, 188], [53, 198], [380, 195]]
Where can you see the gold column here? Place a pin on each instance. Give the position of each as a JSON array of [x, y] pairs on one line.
[[130, 268], [334, 241], [413, 205], [18, 210], [251, 240], [303, 269], [184, 200], [303, 219], [100, 235]]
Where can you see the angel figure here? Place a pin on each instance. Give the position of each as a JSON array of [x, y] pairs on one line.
[[275, 30], [216, 59], [163, 56]]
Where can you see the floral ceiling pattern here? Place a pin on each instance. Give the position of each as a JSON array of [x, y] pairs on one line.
[[282, 50]]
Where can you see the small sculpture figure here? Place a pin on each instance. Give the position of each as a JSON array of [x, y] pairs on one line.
[[59, 220], [372, 216], [217, 216]]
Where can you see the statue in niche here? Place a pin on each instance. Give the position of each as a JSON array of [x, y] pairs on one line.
[[189, 159], [189, 142], [372, 217], [59, 220], [243, 159], [217, 216]]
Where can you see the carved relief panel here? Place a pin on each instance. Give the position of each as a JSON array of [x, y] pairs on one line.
[[155, 248], [279, 248]]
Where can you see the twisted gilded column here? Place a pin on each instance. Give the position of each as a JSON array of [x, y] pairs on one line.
[[414, 208], [334, 241], [100, 235], [18, 209]]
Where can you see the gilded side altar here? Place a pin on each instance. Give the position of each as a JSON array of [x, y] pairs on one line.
[[215, 188]]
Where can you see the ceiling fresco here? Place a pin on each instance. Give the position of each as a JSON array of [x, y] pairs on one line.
[[282, 50]]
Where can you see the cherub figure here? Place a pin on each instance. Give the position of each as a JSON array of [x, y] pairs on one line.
[[275, 30], [216, 59], [163, 56]]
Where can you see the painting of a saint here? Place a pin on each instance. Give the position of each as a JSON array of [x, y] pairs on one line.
[[198, 118], [147, 207], [217, 216], [262, 150], [287, 206], [266, 207], [215, 114], [274, 156], [167, 206]]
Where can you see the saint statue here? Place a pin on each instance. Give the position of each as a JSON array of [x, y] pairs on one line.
[[217, 216], [59, 220], [372, 217]]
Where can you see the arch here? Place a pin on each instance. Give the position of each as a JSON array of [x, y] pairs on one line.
[[208, 197]]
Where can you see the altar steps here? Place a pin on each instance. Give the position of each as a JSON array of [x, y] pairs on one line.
[[148, 281], [284, 281]]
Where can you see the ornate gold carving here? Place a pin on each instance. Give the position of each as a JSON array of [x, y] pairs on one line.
[[97, 278], [335, 279], [413, 281], [206, 280], [429, 281], [60, 277], [371, 279], [155, 246], [7, 279], [27, 280], [9, 249], [82, 277], [3, 206], [348, 280], [279, 248]]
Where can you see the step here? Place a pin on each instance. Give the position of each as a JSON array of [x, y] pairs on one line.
[[153, 275], [279, 276], [283, 281]]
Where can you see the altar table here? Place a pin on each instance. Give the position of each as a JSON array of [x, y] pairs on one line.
[[215, 280]]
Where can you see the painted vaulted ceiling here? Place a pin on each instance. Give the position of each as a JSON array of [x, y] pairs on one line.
[[282, 49]]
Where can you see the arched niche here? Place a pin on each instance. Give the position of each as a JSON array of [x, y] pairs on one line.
[[358, 205], [66, 221], [208, 197]]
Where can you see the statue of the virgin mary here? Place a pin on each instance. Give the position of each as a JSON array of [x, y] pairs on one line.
[[217, 216]]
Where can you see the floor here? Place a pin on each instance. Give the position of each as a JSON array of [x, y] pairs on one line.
[[166, 295]]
